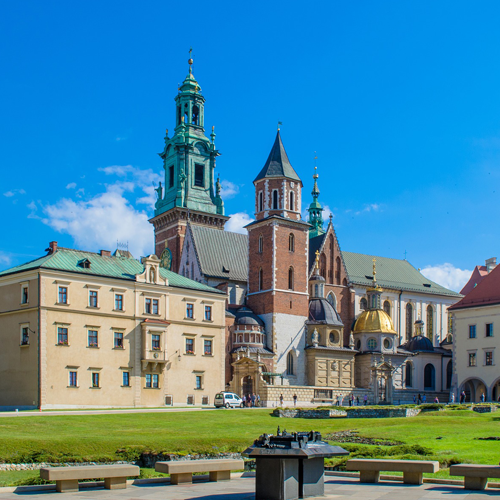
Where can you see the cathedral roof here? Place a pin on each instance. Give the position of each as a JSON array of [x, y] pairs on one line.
[[278, 164], [373, 321], [245, 316], [418, 343], [221, 254], [321, 311]]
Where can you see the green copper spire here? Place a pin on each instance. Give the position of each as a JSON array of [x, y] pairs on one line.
[[315, 210], [189, 156]]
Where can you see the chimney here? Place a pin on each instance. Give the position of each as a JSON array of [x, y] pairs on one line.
[[52, 247], [105, 253], [491, 264]]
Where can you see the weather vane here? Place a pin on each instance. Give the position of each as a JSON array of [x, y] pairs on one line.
[[279, 124]]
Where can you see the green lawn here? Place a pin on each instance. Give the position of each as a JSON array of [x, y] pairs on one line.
[[113, 437]]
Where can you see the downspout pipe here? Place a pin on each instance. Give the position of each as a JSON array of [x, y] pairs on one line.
[[399, 318]]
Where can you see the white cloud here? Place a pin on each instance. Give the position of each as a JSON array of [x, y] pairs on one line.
[[371, 207], [229, 190], [33, 209], [71, 185], [447, 275], [237, 222], [4, 259], [101, 222], [13, 192]]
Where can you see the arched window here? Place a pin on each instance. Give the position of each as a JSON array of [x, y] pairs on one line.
[[290, 278], [275, 200], [261, 201], [291, 243], [363, 304], [429, 376], [344, 282], [430, 322], [186, 114], [449, 373], [332, 299], [261, 243], [387, 307], [322, 265], [409, 321], [409, 375], [260, 278], [196, 113], [292, 200], [337, 270], [289, 363]]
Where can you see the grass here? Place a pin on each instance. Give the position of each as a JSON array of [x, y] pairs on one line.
[[75, 438]]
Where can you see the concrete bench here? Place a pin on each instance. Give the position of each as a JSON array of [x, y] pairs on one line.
[[369, 469], [66, 478], [181, 471], [475, 475]]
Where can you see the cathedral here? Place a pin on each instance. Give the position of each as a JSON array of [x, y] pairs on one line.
[[303, 316]]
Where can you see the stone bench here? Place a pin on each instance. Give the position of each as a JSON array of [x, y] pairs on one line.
[[66, 478], [181, 471], [369, 469], [475, 475]]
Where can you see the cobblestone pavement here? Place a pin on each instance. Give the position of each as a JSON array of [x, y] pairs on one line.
[[242, 488]]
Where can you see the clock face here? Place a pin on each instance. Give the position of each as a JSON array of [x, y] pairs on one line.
[[166, 259]]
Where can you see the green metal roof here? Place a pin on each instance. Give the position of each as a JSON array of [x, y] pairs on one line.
[[393, 274], [221, 254], [69, 260]]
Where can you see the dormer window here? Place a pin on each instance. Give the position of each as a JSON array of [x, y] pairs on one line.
[[85, 264]]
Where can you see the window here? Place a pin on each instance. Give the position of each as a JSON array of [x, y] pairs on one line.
[[429, 377], [275, 200], [261, 244], [196, 112], [372, 344], [155, 306], [261, 201], [292, 200], [409, 321], [72, 379], [155, 342], [430, 322], [289, 363], [489, 329], [332, 299], [260, 278], [387, 307], [152, 380], [291, 243], [171, 176], [24, 294], [472, 359], [118, 340], [25, 337], [63, 295], [95, 379], [92, 298], [489, 358], [156, 380], [190, 311], [472, 331], [199, 175], [409, 375], [207, 347], [199, 382], [62, 336], [363, 304], [147, 306], [92, 335], [118, 302], [208, 313], [189, 346], [290, 278], [126, 379]]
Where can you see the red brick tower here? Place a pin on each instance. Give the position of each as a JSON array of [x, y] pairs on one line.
[[278, 262]]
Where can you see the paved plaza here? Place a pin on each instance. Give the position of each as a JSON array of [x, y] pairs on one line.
[[242, 488]]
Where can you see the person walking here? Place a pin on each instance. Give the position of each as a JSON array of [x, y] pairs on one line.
[[436, 400], [253, 400], [424, 399], [414, 399], [357, 400], [258, 400], [482, 397], [295, 400], [365, 399], [452, 398], [419, 399], [281, 400]]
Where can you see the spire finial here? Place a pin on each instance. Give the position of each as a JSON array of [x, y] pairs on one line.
[[190, 60], [374, 271], [279, 124]]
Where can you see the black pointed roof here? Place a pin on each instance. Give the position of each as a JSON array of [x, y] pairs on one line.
[[278, 164]]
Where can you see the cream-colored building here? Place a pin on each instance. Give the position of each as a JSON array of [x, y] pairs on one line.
[[476, 335], [80, 329]]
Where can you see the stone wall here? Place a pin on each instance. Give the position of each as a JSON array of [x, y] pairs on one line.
[[484, 409], [382, 412], [305, 413]]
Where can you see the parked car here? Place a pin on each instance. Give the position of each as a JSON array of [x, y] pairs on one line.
[[228, 400]]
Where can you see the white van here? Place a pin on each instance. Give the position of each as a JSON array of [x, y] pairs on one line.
[[228, 400]]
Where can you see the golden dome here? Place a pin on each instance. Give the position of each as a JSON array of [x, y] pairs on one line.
[[374, 321]]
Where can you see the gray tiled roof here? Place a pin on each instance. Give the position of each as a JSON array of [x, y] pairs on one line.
[[394, 274], [221, 254]]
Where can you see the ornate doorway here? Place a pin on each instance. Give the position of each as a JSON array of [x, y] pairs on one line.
[[247, 385]]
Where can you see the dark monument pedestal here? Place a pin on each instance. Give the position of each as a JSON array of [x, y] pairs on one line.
[[277, 479]]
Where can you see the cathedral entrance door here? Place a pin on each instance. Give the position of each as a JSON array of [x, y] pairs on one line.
[[247, 385]]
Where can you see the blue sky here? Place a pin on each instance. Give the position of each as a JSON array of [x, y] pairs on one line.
[[398, 99]]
